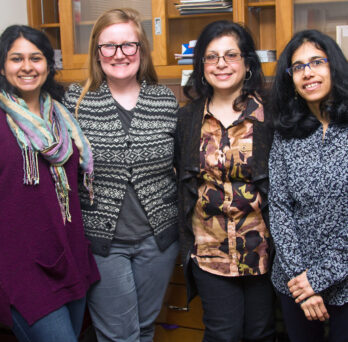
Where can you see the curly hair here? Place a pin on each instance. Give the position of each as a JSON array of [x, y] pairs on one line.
[[292, 117], [196, 88]]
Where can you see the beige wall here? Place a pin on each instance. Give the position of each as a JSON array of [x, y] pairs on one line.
[[13, 12]]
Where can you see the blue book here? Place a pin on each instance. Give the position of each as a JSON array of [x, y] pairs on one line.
[[185, 61]]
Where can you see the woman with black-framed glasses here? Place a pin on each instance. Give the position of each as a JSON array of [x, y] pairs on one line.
[[110, 49], [221, 157], [309, 187], [130, 121]]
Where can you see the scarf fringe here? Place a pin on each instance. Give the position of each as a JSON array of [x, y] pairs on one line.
[[63, 200], [62, 191], [30, 166], [51, 136], [88, 184]]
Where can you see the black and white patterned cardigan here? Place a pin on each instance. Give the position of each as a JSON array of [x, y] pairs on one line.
[[143, 157], [308, 202]]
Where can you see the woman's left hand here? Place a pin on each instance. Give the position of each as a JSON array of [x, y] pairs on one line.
[[300, 287], [315, 309]]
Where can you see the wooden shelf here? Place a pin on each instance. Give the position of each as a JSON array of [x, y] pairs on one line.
[[261, 4], [171, 71], [67, 76], [269, 22], [300, 2], [52, 25], [194, 16]]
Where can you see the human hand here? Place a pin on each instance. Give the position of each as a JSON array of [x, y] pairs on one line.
[[314, 309], [300, 287]]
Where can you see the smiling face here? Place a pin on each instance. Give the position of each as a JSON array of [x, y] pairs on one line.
[[25, 68], [225, 77], [313, 85], [120, 67]]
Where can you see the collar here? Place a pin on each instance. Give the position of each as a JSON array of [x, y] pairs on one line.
[[252, 111]]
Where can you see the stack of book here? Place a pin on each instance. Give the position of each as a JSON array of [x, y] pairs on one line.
[[266, 55], [187, 7], [342, 38], [186, 55]]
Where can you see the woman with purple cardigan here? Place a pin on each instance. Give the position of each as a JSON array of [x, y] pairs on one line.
[[46, 266]]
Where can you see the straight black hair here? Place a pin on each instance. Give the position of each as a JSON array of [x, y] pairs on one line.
[[40, 40], [291, 115]]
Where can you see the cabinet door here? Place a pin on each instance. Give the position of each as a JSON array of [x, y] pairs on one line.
[[171, 30], [77, 18], [44, 16], [270, 23], [322, 15]]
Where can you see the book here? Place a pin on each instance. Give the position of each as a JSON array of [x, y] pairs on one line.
[[203, 11], [185, 61], [342, 38], [180, 55], [266, 55], [204, 4], [186, 7], [197, 1]]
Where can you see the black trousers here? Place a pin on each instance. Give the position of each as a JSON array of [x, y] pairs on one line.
[[236, 308], [302, 330]]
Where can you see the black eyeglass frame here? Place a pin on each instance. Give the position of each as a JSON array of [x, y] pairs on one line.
[[304, 65], [116, 46]]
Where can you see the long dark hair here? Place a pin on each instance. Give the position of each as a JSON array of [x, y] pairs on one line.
[[40, 40], [197, 88], [291, 115]]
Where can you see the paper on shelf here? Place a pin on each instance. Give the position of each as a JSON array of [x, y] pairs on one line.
[[185, 75]]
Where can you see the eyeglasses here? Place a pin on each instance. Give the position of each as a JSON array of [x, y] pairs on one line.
[[298, 68], [228, 57], [128, 49]]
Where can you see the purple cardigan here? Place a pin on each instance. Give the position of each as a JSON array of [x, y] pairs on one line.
[[44, 264]]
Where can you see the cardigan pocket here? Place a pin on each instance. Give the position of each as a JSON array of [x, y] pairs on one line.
[[54, 265], [60, 273]]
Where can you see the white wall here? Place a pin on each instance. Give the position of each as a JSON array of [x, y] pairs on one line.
[[13, 12]]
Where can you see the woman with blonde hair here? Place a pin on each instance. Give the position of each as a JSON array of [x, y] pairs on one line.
[[130, 121]]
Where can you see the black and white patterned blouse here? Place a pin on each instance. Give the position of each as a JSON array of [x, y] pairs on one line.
[[308, 202]]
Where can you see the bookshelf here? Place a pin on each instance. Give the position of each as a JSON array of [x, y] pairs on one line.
[[265, 20], [271, 23]]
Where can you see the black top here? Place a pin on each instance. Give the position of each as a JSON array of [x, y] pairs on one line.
[[187, 140], [132, 224]]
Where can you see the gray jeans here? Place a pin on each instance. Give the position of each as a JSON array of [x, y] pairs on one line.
[[128, 299]]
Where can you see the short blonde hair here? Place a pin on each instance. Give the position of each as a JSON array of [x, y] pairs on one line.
[[95, 73]]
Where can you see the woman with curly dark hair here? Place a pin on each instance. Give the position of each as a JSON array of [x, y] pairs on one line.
[[222, 147], [309, 186]]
